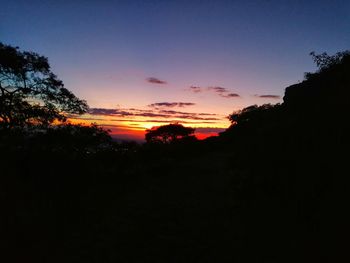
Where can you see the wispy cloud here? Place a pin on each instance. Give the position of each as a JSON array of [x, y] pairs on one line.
[[222, 92], [155, 80], [196, 89], [171, 104], [230, 95], [161, 121], [155, 113], [109, 112], [268, 96], [219, 90]]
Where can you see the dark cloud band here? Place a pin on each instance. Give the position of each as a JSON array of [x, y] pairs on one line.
[[155, 81], [222, 92], [268, 96], [155, 113], [171, 104]]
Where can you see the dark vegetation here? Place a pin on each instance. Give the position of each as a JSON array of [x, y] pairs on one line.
[[30, 93], [272, 188], [170, 133]]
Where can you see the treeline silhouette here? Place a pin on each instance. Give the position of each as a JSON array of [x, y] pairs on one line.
[[272, 188]]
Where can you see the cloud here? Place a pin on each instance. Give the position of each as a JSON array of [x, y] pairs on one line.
[[268, 96], [196, 89], [189, 115], [174, 112], [222, 92], [155, 113], [218, 89], [230, 95], [193, 117], [171, 104], [209, 114], [184, 104], [109, 112], [155, 81], [169, 121]]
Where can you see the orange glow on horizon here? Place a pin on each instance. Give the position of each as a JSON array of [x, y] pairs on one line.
[[136, 129]]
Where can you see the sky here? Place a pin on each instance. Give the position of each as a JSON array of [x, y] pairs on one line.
[[141, 64]]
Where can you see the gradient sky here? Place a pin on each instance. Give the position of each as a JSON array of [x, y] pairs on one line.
[[107, 52]]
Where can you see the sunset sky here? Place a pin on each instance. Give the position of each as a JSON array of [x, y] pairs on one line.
[[140, 64]]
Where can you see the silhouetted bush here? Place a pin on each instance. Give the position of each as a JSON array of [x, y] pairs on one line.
[[170, 133]]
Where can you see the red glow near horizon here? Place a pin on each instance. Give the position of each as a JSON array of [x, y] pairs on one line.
[[140, 135], [202, 136]]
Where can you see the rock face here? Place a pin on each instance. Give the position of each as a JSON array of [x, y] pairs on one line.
[[323, 92]]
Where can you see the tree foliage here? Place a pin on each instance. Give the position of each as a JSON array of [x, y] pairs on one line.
[[169, 133], [324, 61], [253, 112], [30, 93]]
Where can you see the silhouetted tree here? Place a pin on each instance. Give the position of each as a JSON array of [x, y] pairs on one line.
[[169, 133], [254, 112], [30, 93], [324, 61]]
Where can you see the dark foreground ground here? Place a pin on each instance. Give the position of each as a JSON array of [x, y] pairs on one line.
[[198, 203]]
